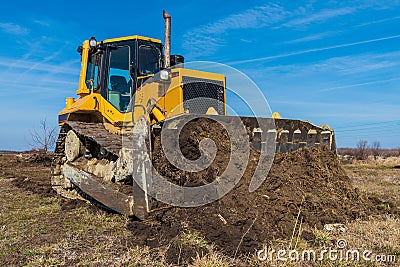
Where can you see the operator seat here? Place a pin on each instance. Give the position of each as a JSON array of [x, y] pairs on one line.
[[119, 84]]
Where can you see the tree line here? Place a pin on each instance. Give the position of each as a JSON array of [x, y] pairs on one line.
[[363, 150]]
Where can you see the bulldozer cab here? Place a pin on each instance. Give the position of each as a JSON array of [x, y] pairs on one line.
[[117, 67]]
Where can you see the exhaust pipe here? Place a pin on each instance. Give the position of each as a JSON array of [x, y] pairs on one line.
[[167, 40]]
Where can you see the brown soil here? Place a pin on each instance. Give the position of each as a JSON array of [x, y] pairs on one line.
[[20, 168], [308, 182], [189, 140]]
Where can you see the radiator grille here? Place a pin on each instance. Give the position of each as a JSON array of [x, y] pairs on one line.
[[200, 94]]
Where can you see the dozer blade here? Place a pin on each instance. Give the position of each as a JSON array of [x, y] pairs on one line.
[[104, 194], [295, 134], [290, 135]]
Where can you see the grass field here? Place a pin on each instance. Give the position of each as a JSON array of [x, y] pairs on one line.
[[39, 228]]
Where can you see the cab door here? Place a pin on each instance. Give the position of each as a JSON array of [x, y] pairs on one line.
[[119, 81]]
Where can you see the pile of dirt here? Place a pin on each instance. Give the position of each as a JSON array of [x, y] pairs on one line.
[[309, 184], [189, 139]]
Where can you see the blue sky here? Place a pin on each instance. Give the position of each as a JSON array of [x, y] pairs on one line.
[[334, 62]]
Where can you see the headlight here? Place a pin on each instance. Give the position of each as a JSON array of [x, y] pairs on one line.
[[92, 42], [164, 75]]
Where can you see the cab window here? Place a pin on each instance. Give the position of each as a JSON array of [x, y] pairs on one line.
[[149, 60], [119, 80], [92, 71]]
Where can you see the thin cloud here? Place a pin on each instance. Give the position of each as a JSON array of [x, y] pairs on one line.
[[206, 39], [43, 81], [244, 40], [354, 64], [13, 28], [377, 21], [320, 16], [312, 37], [312, 50], [42, 22], [46, 59], [39, 66], [363, 64], [358, 85]]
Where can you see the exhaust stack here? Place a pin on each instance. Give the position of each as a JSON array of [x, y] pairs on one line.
[[167, 40]]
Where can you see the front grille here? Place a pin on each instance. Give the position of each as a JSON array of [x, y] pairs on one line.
[[201, 94]]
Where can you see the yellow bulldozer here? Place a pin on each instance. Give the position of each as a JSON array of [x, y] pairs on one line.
[[131, 81]]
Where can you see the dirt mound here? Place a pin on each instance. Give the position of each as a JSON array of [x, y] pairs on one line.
[[189, 139], [309, 183]]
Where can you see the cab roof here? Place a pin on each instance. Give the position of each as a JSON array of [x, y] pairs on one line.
[[133, 37]]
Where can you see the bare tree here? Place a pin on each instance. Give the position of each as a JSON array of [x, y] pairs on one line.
[[44, 138], [376, 149], [362, 149]]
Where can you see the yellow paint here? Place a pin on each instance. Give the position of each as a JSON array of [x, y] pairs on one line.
[[211, 111], [133, 37], [69, 102], [158, 114], [82, 88], [95, 103], [276, 115]]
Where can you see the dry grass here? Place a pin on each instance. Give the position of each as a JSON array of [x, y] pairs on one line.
[[212, 260], [380, 235], [38, 230], [377, 180]]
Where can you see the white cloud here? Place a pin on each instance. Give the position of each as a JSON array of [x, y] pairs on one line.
[[42, 22], [312, 50], [319, 16], [29, 65], [252, 18], [377, 21], [335, 73], [312, 37], [13, 28], [207, 38], [359, 84], [361, 64], [38, 76]]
